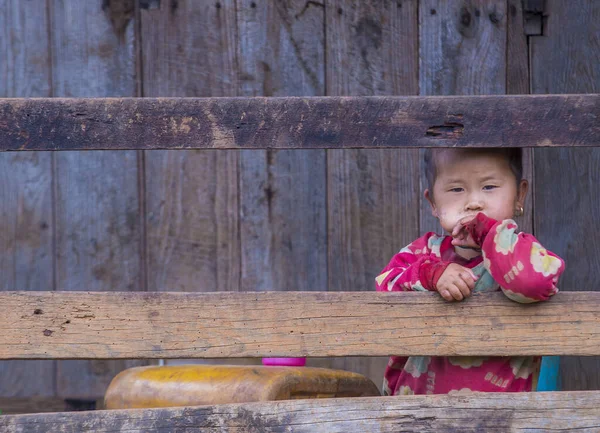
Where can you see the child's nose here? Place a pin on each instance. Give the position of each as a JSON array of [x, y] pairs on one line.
[[474, 203]]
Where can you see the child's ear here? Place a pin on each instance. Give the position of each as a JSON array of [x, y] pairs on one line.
[[429, 198], [522, 192]]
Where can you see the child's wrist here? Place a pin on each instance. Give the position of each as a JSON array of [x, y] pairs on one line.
[[430, 273]]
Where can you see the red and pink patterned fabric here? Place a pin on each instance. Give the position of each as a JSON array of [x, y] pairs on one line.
[[515, 263]]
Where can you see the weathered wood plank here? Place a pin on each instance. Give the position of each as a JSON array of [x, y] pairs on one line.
[[98, 232], [517, 50], [372, 50], [26, 220], [24, 50], [319, 122], [505, 412], [463, 52], [566, 59], [283, 220], [89, 325], [464, 44], [192, 221], [192, 197], [97, 210], [283, 211]]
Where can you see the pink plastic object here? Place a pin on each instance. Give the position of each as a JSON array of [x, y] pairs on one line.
[[289, 362]]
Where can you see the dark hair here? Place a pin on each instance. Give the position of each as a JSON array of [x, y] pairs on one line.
[[513, 154]]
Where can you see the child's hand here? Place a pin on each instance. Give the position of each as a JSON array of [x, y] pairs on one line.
[[461, 237], [456, 283]]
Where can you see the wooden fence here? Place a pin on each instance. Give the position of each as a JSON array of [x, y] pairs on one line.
[[263, 220]]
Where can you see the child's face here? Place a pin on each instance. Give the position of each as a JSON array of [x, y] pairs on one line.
[[471, 182]]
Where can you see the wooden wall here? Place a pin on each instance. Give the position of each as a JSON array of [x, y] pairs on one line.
[[269, 220]]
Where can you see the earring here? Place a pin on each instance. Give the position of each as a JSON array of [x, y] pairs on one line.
[[519, 211]]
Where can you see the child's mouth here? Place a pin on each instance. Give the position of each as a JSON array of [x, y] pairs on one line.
[[468, 248]]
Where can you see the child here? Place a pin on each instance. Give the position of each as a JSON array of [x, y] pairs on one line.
[[474, 193]]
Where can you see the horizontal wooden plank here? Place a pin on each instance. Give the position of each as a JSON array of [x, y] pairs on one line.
[[298, 122], [88, 325], [503, 412]]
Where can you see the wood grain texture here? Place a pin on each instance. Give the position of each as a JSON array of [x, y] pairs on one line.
[[506, 412], [24, 50], [26, 223], [372, 50], [462, 52], [517, 50], [98, 236], [283, 221], [188, 48], [92, 50], [463, 47], [283, 209], [192, 221], [92, 325], [567, 60], [192, 197], [98, 232], [335, 122]]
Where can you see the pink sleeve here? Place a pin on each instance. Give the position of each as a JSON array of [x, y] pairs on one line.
[[523, 268], [414, 268]]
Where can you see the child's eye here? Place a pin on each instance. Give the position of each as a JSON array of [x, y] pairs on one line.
[[457, 189], [489, 187]]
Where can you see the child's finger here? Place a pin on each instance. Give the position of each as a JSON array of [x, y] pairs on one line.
[[456, 230], [464, 289], [468, 279], [458, 242], [446, 295], [470, 271], [472, 242], [456, 292]]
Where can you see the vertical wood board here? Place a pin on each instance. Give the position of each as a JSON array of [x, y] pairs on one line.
[[26, 221], [98, 235], [283, 198], [373, 198], [192, 196]]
